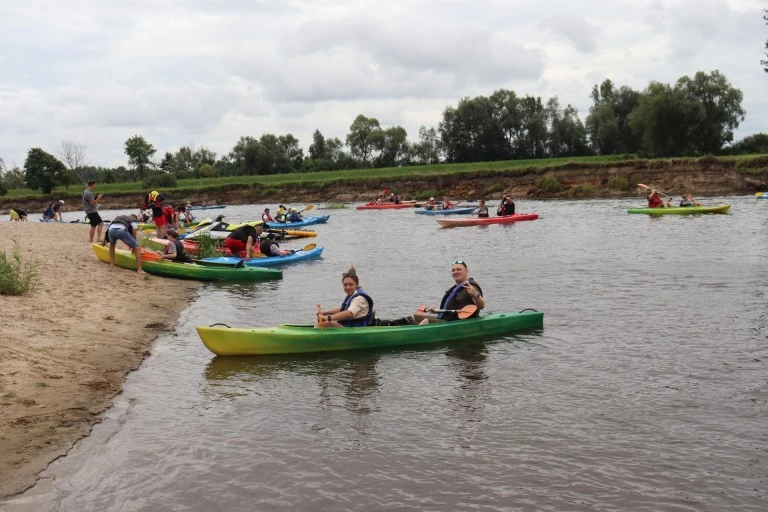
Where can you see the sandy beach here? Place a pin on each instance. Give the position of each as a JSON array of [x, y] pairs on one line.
[[66, 348]]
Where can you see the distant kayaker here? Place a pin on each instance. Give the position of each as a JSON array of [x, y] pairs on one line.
[[266, 217], [654, 199], [295, 216], [242, 239], [482, 210], [447, 204], [123, 228], [269, 247], [281, 216], [430, 204], [688, 201], [19, 214], [174, 251], [355, 311], [506, 208]]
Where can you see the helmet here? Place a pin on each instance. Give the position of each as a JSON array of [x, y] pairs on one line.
[[61, 201], [293, 209]]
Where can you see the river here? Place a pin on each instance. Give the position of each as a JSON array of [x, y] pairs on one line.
[[647, 388]]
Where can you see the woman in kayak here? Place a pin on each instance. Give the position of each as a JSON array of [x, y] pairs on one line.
[[268, 247], [482, 210], [688, 201], [174, 251], [355, 311]]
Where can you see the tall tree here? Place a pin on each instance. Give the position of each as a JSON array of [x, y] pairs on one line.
[[43, 170], [139, 153], [362, 139], [427, 150], [567, 136], [663, 120], [317, 149], [718, 110], [607, 124], [392, 146]]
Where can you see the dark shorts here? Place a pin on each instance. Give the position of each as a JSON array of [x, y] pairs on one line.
[[95, 219]]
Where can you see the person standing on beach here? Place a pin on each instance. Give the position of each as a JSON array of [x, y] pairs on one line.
[[91, 207]]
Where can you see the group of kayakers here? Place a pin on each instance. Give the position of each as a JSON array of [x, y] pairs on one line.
[[464, 299], [283, 215], [655, 201]]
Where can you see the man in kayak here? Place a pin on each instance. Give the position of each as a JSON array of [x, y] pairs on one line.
[[355, 311], [295, 216], [506, 208], [464, 292], [243, 239], [654, 200], [123, 228], [266, 217]]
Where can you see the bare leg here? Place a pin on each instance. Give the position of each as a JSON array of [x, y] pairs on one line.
[[137, 253], [98, 230], [92, 231]]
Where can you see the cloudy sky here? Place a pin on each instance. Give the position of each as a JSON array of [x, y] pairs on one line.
[[204, 73]]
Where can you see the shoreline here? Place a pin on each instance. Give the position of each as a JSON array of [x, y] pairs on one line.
[[68, 347]]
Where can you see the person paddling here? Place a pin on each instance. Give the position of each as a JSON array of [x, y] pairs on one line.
[[688, 201], [482, 210], [654, 199]]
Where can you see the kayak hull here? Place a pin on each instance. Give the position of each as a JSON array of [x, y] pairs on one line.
[[125, 259], [451, 211], [385, 206], [268, 261], [688, 210], [309, 221], [477, 221], [297, 339]]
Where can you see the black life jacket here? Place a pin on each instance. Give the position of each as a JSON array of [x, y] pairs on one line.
[[266, 245], [456, 297], [180, 256]]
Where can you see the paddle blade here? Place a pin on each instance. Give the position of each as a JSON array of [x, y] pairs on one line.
[[643, 186], [308, 247], [309, 207], [466, 311]]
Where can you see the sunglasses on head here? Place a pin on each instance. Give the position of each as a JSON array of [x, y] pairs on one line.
[[459, 262]]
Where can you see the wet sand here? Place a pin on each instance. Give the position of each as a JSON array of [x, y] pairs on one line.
[[65, 349]]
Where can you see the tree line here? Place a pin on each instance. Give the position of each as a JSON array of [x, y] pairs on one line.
[[694, 116]]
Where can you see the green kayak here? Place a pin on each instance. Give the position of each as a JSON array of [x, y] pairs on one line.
[[295, 339], [687, 210], [125, 259]]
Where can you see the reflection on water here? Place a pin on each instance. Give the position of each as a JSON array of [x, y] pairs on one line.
[[645, 390]]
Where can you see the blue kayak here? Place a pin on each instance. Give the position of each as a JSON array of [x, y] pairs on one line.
[[208, 207], [320, 219], [450, 211], [268, 261]]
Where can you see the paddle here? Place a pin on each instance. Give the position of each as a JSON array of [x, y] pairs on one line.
[[147, 255], [651, 188], [465, 312], [308, 208]]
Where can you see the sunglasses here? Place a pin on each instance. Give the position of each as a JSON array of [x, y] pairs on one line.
[[458, 262]]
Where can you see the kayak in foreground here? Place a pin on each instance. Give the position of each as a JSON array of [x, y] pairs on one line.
[[480, 221], [265, 261], [295, 339], [686, 210], [449, 211], [125, 259]]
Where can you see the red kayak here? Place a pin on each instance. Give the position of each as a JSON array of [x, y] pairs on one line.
[[386, 206], [479, 221]]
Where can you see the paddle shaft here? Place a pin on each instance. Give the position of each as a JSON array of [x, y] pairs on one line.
[[651, 188]]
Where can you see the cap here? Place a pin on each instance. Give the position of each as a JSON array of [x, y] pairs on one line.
[[431, 198], [293, 209], [61, 201]]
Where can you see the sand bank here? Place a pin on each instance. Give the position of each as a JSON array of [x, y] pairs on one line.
[[65, 350]]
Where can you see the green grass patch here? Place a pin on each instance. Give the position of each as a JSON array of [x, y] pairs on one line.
[[17, 277], [548, 183], [582, 191], [619, 183], [207, 247]]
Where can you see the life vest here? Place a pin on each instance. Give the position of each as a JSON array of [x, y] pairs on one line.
[[482, 212], [154, 200], [655, 201], [685, 203], [281, 218], [180, 256], [357, 322], [266, 217], [457, 297], [265, 247]]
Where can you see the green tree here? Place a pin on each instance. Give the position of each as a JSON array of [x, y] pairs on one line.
[[567, 136], [363, 137], [140, 153], [718, 110], [43, 170], [750, 145], [427, 150], [532, 140], [663, 120], [472, 132], [392, 146], [317, 149], [607, 124], [290, 154]]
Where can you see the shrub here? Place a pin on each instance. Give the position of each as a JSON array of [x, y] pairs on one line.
[[17, 277], [491, 189], [582, 190], [619, 183], [207, 246], [548, 183]]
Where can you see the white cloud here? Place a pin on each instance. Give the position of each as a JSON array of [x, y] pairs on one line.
[[191, 72]]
